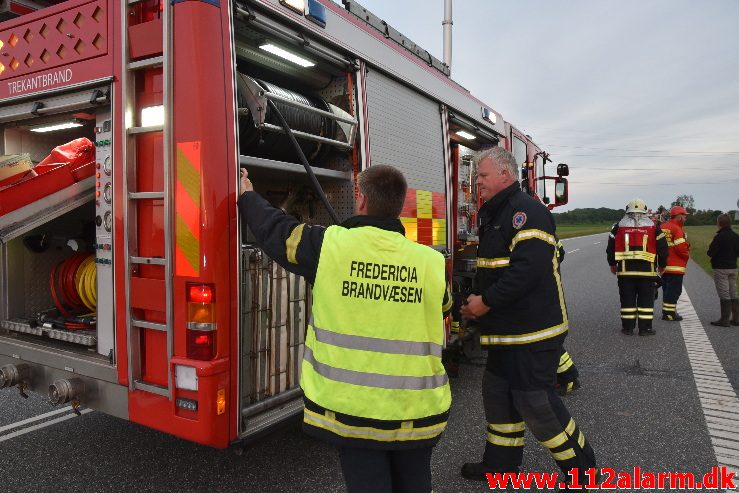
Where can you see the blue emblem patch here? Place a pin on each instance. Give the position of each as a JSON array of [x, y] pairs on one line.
[[519, 219]]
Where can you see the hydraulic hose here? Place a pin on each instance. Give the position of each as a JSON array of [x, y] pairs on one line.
[[72, 284], [306, 165], [85, 282]]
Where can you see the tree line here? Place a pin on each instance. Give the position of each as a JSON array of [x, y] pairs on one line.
[[601, 215]]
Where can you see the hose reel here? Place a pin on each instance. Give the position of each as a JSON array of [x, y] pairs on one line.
[[317, 124]]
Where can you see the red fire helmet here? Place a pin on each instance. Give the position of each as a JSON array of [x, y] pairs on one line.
[[678, 209]]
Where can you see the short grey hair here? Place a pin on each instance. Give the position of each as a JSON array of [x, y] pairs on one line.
[[501, 158]]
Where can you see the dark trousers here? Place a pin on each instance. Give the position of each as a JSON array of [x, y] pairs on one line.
[[386, 471], [637, 301], [518, 392], [566, 371], [672, 288]]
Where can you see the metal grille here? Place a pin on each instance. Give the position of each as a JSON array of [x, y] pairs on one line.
[[273, 322], [54, 41]]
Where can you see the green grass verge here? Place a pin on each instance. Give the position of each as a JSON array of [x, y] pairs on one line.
[[572, 230], [700, 237]]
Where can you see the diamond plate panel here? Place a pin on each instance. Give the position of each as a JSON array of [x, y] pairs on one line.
[[60, 39]]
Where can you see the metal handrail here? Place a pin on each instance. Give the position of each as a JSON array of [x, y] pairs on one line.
[[304, 135]]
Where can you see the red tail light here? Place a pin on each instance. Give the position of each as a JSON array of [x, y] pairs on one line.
[[200, 293], [201, 321]]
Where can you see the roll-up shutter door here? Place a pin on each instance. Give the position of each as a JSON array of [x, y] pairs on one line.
[[405, 131]]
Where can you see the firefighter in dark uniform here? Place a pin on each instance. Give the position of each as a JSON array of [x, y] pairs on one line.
[[520, 308], [635, 246], [567, 374], [372, 377]]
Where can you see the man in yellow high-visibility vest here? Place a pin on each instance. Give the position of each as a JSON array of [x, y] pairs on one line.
[[372, 377]]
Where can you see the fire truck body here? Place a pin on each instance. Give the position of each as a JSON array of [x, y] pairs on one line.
[[199, 334]]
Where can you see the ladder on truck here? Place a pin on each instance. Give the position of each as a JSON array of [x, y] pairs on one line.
[[132, 197]]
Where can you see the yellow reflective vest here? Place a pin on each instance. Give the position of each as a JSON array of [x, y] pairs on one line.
[[372, 364]]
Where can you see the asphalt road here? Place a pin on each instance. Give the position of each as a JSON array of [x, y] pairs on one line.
[[639, 406]]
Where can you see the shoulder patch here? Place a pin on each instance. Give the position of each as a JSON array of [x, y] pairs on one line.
[[519, 219]]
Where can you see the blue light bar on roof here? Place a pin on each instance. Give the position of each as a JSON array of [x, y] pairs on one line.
[[316, 12]]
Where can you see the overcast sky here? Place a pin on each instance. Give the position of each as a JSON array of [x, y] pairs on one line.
[[639, 97]]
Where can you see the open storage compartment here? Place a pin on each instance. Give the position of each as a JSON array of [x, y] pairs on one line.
[[316, 96], [56, 246]]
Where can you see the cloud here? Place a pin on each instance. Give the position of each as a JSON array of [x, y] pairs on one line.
[[654, 81]]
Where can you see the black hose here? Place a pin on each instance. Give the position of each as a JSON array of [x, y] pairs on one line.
[[306, 165]]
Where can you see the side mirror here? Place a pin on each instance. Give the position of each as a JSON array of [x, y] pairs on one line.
[[560, 191], [563, 170], [545, 200]]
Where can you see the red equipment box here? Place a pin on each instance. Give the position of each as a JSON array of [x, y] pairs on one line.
[[67, 164]]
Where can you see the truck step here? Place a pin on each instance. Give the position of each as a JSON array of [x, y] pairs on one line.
[[83, 337]]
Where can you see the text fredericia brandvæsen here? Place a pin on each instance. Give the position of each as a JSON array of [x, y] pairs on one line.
[[395, 288]]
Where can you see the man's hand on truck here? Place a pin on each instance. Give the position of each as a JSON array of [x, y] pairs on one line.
[[245, 183]]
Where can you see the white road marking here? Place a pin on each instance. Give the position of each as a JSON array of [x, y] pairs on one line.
[[35, 418], [718, 400], [575, 250], [596, 243], [42, 425]]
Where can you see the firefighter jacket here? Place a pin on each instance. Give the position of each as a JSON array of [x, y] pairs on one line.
[[518, 272], [635, 246], [371, 373], [677, 241]]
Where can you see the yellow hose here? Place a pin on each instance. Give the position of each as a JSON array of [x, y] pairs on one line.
[[85, 279]]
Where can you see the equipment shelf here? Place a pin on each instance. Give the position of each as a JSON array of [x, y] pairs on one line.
[[292, 168]]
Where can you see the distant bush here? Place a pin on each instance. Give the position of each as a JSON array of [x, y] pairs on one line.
[[702, 218], [589, 216]]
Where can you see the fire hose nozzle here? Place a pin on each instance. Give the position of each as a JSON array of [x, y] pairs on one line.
[[11, 375], [63, 391]]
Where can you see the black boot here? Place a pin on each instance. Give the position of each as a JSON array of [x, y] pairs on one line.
[[647, 332], [725, 314], [671, 317], [735, 311]]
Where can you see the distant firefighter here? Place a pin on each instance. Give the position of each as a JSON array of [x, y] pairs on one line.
[[677, 261], [635, 246]]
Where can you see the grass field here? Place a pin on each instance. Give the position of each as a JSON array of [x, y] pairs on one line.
[[572, 230], [700, 237]]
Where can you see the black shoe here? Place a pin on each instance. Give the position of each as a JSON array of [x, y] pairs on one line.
[[673, 317], [647, 332], [477, 471], [628, 332]]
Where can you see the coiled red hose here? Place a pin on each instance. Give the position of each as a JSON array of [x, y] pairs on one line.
[[63, 286]]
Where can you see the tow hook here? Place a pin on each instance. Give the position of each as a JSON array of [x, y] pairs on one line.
[[22, 388], [63, 391], [19, 375]]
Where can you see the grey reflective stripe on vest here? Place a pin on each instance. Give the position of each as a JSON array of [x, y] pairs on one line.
[[376, 345], [392, 382]]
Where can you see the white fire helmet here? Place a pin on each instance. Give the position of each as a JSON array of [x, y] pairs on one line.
[[636, 205]]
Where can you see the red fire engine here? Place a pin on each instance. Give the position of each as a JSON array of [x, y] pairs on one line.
[[127, 284]]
